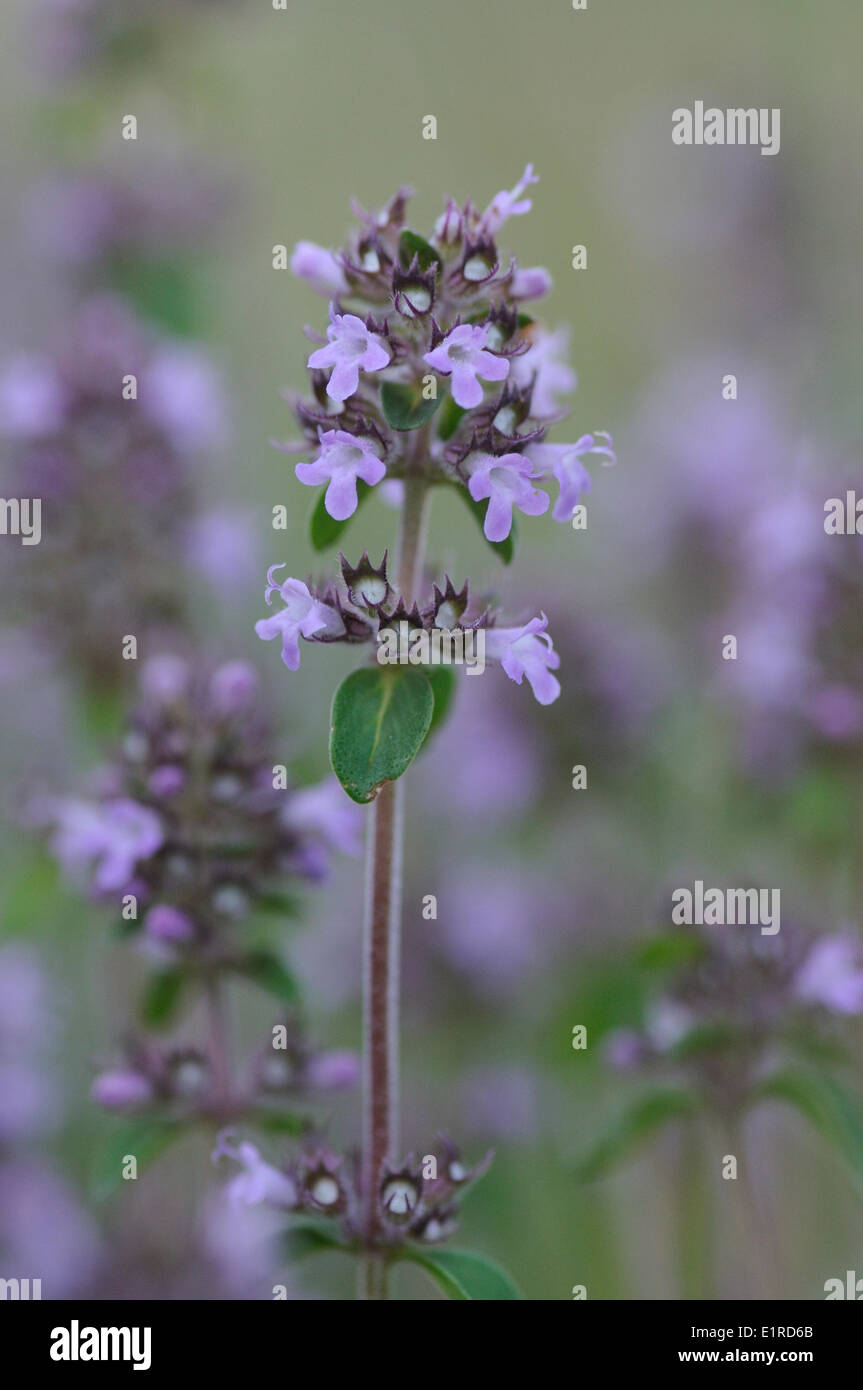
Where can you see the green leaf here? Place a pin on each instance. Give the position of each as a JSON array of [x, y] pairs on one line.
[[442, 681], [411, 245], [29, 891], [144, 1139], [404, 406], [280, 1122], [309, 1238], [449, 418], [324, 530], [161, 998], [463, 1275], [505, 549], [271, 973], [670, 951], [280, 904], [163, 290], [380, 717], [630, 1129], [833, 1110]]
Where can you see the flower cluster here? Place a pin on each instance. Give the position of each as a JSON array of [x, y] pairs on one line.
[[194, 818], [104, 432], [179, 1082], [363, 606], [738, 1001], [414, 1203], [193, 826], [431, 370], [441, 321]]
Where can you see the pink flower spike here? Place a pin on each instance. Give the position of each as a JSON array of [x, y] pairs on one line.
[[351, 348], [463, 356], [526, 651], [302, 616], [343, 458], [505, 481]]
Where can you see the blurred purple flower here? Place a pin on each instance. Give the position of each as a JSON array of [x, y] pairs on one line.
[[116, 835], [832, 974]]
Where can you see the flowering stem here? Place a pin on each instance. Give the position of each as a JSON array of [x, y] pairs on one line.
[[381, 949], [218, 1048]]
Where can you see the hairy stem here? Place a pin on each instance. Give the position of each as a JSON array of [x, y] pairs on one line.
[[381, 948]]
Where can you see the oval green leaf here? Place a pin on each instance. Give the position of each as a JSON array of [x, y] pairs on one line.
[[463, 1275], [379, 719]]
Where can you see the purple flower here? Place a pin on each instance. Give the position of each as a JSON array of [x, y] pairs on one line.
[[533, 283], [168, 925], [545, 364], [343, 458], [832, 975], [333, 1071], [326, 812], [526, 651], [166, 781], [351, 347], [508, 203], [259, 1181], [319, 268], [182, 393], [505, 481], [564, 461], [463, 355], [122, 1089], [302, 616], [233, 687], [33, 397], [165, 679], [116, 834]]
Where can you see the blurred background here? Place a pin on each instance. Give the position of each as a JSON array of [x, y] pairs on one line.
[[256, 128]]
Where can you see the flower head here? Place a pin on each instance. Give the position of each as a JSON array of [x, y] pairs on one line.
[[302, 616], [506, 481], [258, 1181], [564, 462], [832, 975], [527, 651], [352, 348], [116, 834], [463, 356], [342, 460]]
